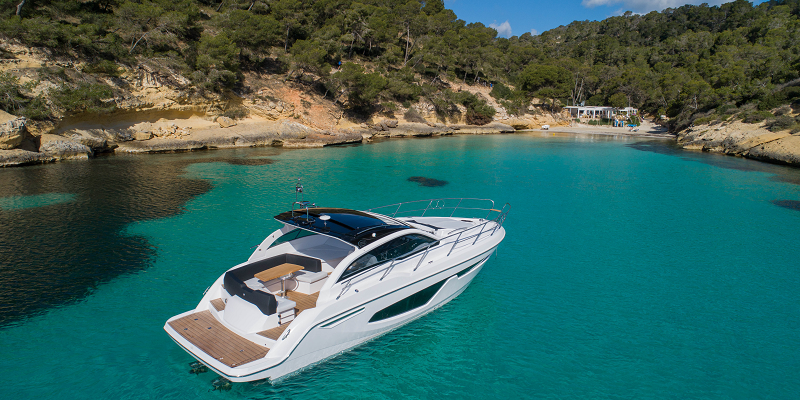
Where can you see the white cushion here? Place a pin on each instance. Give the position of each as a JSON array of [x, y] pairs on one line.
[[255, 284], [311, 277], [284, 304]]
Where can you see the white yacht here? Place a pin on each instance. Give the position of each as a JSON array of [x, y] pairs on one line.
[[332, 278]]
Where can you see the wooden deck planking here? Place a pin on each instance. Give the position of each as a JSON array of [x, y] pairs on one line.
[[219, 304], [304, 302], [274, 333], [210, 336]]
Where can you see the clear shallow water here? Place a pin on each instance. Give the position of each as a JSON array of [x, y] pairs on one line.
[[629, 270]]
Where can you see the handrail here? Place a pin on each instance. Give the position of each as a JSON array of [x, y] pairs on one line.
[[441, 204], [499, 220]]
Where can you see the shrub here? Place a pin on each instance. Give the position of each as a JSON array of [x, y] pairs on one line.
[[782, 110], [501, 91], [478, 111], [756, 116], [103, 67], [413, 116], [236, 112], [86, 97], [47, 73], [780, 123], [14, 101]]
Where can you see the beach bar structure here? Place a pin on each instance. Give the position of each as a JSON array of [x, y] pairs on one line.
[[597, 112]]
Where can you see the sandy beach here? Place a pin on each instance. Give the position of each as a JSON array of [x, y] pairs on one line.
[[646, 129]]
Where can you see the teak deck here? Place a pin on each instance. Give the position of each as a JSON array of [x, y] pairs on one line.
[[205, 332], [304, 302], [219, 304]]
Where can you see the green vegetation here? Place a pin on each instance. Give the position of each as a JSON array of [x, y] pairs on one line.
[[15, 100], [687, 63], [84, 98]]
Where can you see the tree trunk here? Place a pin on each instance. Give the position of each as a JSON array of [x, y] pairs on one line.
[[137, 42], [220, 5], [286, 44], [350, 52], [19, 6], [408, 41]]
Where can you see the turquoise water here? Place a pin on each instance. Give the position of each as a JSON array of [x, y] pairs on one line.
[[629, 270]]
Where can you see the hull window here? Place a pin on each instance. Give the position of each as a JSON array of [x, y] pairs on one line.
[[416, 300]]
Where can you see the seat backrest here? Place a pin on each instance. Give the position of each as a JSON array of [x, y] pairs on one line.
[[233, 285], [309, 264], [265, 302]]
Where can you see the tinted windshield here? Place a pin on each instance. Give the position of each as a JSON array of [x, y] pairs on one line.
[[401, 248]]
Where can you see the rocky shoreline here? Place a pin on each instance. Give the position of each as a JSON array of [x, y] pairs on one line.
[[744, 140], [18, 149], [82, 141]]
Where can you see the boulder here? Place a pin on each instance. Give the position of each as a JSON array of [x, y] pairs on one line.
[[62, 148], [143, 135], [490, 128], [415, 129], [225, 122], [99, 140], [12, 130], [390, 123], [160, 146], [16, 157]]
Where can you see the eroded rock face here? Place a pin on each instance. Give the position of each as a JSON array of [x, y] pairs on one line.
[[15, 157], [99, 140], [12, 131], [63, 148], [784, 150], [740, 139]]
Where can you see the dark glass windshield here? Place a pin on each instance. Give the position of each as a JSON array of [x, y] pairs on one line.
[[355, 227], [402, 247]]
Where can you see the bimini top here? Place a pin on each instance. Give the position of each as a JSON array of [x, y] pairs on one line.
[[355, 227]]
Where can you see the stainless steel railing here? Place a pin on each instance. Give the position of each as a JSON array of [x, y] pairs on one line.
[[458, 238], [437, 204]]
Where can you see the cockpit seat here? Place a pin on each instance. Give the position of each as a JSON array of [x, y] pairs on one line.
[[310, 282]]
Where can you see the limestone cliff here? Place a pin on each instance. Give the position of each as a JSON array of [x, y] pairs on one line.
[[746, 140]]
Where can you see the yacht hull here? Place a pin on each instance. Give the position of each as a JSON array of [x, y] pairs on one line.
[[343, 330], [384, 277]]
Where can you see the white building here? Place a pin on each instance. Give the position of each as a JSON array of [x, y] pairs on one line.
[[596, 112]]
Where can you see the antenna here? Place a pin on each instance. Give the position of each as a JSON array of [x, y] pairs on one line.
[[298, 192], [298, 189]]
